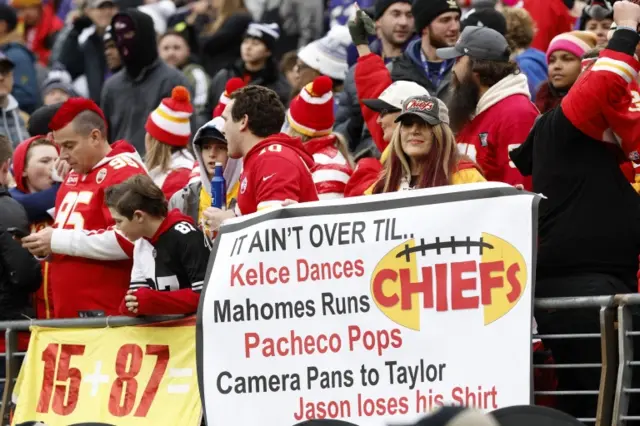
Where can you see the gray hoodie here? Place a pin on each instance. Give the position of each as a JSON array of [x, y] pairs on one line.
[[11, 123]]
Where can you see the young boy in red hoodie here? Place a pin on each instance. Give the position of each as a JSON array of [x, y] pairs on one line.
[[170, 254]]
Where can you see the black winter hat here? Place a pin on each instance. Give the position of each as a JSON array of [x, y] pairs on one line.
[[458, 416], [8, 14], [39, 120], [484, 17], [382, 5], [425, 11]]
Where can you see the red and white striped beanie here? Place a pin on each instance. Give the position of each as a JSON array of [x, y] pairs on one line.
[[311, 112], [169, 123], [232, 85]]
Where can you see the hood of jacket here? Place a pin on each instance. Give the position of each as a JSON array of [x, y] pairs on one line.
[[513, 84], [12, 105], [199, 174], [19, 162], [143, 47], [282, 139], [317, 144], [532, 58]]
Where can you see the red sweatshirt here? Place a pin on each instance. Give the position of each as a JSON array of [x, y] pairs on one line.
[[551, 18]]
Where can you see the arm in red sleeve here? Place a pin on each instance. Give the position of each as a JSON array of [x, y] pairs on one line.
[[600, 104], [372, 77], [510, 138], [177, 302]]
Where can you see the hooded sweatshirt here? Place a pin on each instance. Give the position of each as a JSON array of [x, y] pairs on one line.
[[332, 170], [194, 198], [533, 64], [169, 268], [12, 124], [130, 95], [276, 169], [502, 121], [177, 176], [39, 207]]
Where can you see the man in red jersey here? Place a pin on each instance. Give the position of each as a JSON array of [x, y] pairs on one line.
[[90, 262], [276, 167], [490, 108]]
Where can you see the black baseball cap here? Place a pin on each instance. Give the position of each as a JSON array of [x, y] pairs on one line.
[[478, 43], [533, 415], [428, 108], [5, 61]]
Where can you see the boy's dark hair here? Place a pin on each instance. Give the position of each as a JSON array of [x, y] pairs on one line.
[[6, 150], [137, 193], [261, 106]]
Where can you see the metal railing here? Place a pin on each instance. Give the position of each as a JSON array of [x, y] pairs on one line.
[[616, 336]]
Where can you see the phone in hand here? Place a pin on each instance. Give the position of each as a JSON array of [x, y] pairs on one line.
[[17, 232]]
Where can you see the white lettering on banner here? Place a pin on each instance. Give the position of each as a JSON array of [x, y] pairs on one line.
[[371, 310]]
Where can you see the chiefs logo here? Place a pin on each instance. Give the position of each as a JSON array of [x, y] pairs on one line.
[[487, 275], [418, 105], [101, 175]]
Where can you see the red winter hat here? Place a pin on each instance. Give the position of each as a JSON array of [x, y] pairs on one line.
[[169, 123], [232, 85], [311, 112]]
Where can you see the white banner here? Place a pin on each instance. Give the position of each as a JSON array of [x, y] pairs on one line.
[[370, 310]]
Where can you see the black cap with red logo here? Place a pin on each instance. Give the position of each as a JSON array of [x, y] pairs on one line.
[[428, 108]]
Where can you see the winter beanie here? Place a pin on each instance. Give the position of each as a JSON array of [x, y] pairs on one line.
[[266, 33], [311, 112], [457, 416], [233, 84], [382, 5], [169, 123], [575, 42], [58, 78], [328, 55], [425, 11], [484, 17]]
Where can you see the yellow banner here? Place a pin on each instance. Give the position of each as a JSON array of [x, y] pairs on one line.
[[116, 376]]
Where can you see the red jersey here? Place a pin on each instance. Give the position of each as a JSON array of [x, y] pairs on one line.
[[331, 171], [91, 263], [276, 169], [504, 118], [616, 120]]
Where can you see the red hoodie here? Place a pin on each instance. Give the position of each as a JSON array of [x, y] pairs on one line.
[[276, 169], [43, 299], [552, 17], [154, 302], [39, 38]]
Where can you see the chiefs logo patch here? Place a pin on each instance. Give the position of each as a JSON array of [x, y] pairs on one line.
[[72, 180], [101, 175], [243, 185]]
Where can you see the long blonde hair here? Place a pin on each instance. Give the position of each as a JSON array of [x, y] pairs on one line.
[[228, 8], [436, 168], [158, 155], [340, 144]]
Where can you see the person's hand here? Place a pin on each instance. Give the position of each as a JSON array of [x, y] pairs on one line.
[[39, 244], [288, 202], [60, 170], [519, 186], [626, 13], [360, 27], [214, 217], [131, 302]]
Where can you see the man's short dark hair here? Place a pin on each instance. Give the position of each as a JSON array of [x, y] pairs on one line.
[[491, 72], [6, 150], [262, 107], [86, 121], [136, 193]]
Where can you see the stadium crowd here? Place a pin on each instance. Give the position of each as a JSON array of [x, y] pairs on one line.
[[116, 112]]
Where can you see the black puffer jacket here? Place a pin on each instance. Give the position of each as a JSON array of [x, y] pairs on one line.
[[20, 272]]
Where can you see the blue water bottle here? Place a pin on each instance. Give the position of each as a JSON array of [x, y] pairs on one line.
[[218, 188]]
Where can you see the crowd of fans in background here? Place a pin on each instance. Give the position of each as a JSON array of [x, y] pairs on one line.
[[116, 112]]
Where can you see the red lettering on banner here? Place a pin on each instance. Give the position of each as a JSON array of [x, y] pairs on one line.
[[460, 277], [258, 276], [292, 344], [377, 340], [369, 407], [61, 382], [479, 398], [63, 372]]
